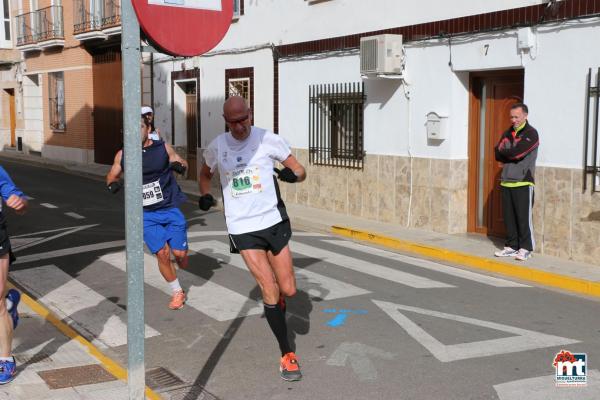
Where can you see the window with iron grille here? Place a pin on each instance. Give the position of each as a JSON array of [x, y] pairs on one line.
[[56, 91], [240, 82], [240, 87], [336, 125], [238, 8]]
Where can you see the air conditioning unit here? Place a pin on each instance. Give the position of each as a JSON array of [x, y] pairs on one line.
[[381, 55]]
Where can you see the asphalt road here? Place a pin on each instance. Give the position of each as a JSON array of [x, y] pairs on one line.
[[366, 323]]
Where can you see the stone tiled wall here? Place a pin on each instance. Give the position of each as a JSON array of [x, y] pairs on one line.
[[566, 221], [381, 191]]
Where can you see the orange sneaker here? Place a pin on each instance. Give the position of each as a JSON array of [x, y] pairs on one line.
[[289, 368], [178, 300]]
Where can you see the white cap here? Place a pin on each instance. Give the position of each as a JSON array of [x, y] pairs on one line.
[[146, 110]]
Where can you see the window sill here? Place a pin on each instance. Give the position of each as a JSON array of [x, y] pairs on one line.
[[59, 130]]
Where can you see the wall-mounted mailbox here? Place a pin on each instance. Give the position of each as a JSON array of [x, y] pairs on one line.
[[436, 126]]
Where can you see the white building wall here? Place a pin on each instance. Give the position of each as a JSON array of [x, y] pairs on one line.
[[555, 73], [295, 76], [212, 91], [555, 79], [555, 87], [283, 22], [33, 112]]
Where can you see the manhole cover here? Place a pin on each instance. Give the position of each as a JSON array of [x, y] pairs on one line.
[[75, 376], [161, 378], [189, 393]]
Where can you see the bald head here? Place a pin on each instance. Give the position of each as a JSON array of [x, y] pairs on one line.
[[234, 105], [238, 117]]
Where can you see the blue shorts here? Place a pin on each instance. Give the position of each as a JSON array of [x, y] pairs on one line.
[[165, 226]]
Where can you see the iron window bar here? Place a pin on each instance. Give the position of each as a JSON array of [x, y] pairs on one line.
[[590, 166], [336, 122]]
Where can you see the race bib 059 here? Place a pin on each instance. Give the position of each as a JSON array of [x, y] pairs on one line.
[[151, 193]]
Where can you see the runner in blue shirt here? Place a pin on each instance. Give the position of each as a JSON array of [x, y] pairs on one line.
[[165, 228], [9, 316]]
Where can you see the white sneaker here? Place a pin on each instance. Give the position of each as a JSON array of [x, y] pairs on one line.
[[506, 252], [523, 255]]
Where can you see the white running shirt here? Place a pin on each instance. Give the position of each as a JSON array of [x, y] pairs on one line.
[[247, 178]]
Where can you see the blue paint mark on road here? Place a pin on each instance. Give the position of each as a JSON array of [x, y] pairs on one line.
[[338, 320], [341, 316]]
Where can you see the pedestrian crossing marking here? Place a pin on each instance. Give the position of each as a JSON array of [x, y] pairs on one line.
[[197, 234], [378, 271], [316, 285], [86, 307], [216, 301], [430, 265]]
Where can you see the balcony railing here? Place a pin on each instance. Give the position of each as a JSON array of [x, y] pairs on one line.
[[83, 19], [95, 15], [43, 25], [27, 28], [112, 14]]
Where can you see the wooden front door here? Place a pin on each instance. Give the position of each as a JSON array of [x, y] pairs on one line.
[[191, 122], [13, 116], [492, 95], [108, 105]]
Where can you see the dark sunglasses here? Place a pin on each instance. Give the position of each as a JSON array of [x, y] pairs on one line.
[[237, 121]]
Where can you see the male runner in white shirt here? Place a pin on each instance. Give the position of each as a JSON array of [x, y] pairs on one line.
[[257, 222]]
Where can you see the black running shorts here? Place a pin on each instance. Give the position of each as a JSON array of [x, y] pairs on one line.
[[273, 239], [5, 244]]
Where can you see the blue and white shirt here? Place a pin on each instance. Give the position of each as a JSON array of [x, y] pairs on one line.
[[7, 187]]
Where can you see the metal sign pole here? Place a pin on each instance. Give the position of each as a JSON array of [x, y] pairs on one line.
[[130, 49]]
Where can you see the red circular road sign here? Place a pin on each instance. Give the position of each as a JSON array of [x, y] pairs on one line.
[[184, 27]]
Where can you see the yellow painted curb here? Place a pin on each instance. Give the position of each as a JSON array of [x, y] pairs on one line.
[[564, 282], [111, 366]]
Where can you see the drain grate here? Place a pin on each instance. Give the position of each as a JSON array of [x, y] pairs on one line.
[[75, 376], [32, 359], [161, 378], [193, 392]]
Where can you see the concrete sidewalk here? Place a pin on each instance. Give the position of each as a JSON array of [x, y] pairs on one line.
[[56, 363], [472, 251]]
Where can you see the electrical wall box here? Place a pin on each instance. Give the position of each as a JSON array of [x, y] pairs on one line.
[[525, 38], [381, 55], [437, 126]]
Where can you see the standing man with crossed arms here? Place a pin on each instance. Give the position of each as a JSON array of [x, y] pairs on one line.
[[257, 221], [517, 151]]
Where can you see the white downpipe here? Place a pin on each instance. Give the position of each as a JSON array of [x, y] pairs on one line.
[[405, 85]]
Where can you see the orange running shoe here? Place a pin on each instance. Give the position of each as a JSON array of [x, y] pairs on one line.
[[289, 368], [178, 300]]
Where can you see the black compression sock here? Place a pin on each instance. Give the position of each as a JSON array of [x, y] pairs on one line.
[[276, 321]]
